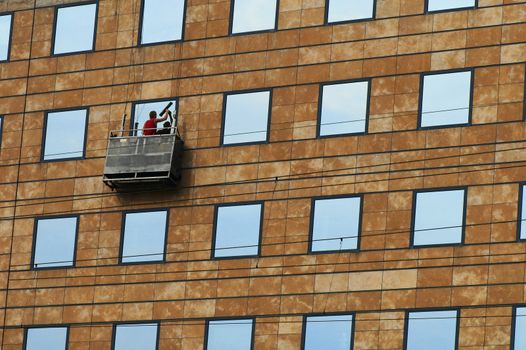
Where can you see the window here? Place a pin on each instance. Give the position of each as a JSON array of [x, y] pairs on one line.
[[445, 5], [65, 135], [54, 242], [237, 230], [46, 338], [6, 25], [446, 99], [246, 117], [431, 330], [144, 236], [328, 332], [438, 217], [349, 10], [253, 15], [344, 108], [141, 112], [522, 212], [229, 334], [518, 329], [162, 21], [335, 224], [136, 336], [75, 27]]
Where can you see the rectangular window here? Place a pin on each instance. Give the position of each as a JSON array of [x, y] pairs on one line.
[[253, 16], [136, 336], [344, 108], [54, 242], [246, 117], [75, 27], [162, 21], [6, 25], [142, 111], [144, 236], [438, 217], [46, 338], [445, 99], [333, 332], [432, 330], [349, 10], [65, 135], [237, 230], [445, 5], [518, 332], [335, 224], [229, 334], [522, 212]]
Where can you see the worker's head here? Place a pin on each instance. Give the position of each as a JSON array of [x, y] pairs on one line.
[[153, 114], [167, 124]]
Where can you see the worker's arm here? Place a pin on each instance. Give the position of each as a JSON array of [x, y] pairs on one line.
[[158, 120]]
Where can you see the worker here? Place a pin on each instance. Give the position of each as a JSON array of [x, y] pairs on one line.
[[150, 126], [166, 130]]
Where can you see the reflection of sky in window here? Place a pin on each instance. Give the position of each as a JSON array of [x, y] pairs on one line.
[[439, 217], [46, 338], [5, 34], [144, 236], [141, 112], [55, 242], [432, 330], [75, 28], [350, 10], [136, 336], [254, 15], [520, 328], [328, 332], [437, 5], [333, 219], [446, 99], [162, 21], [65, 133], [229, 335], [523, 213], [246, 117], [344, 108], [237, 226]]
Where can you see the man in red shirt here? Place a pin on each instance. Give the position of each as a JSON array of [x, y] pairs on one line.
[[150, 126]]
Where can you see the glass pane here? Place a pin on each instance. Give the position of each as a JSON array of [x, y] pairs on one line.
[[237, 226], [141, 112], [432, 330], [523, 213], [446, 99], [438, 5], [75, 28], [47, 338], [162, 21], [350, 10], [144, 236], [520, 329], [5, 35], [328, 332], [65, 132], [439, 217], [254, 15], [344, 108], [246, 117], [55, 242], [334, 219], [136, 336], [229, 335]]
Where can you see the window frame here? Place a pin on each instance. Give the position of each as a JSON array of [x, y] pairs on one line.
[[26, 331], [55, 20], [413, 217], [326, 16], [10, 39], [320, 105], [2, 126], [522, 193], [406, 322], [141, 19], [421, 98], [224, 111], [140, 102], [427, 11], [115, 325], [339, 313], [231, 22], [252, 335], [214, 229], [44, 135]]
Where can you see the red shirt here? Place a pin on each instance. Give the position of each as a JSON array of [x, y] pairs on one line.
[[150, 127]]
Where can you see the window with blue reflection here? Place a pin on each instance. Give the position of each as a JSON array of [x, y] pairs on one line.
[[136, 336], [444, 5], [162, 21], [328, 332], [65, 134], [432, 330], [246, 117], [55, 240], [344, 108], [349, 10], [141, 112], [522, 214], [335, 224], [229, 334], [5, 36], [519, 329], [144, 236], [439, 217], [254, 15], [75, 28], [46, 338], [446, 99], [237, 230]]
